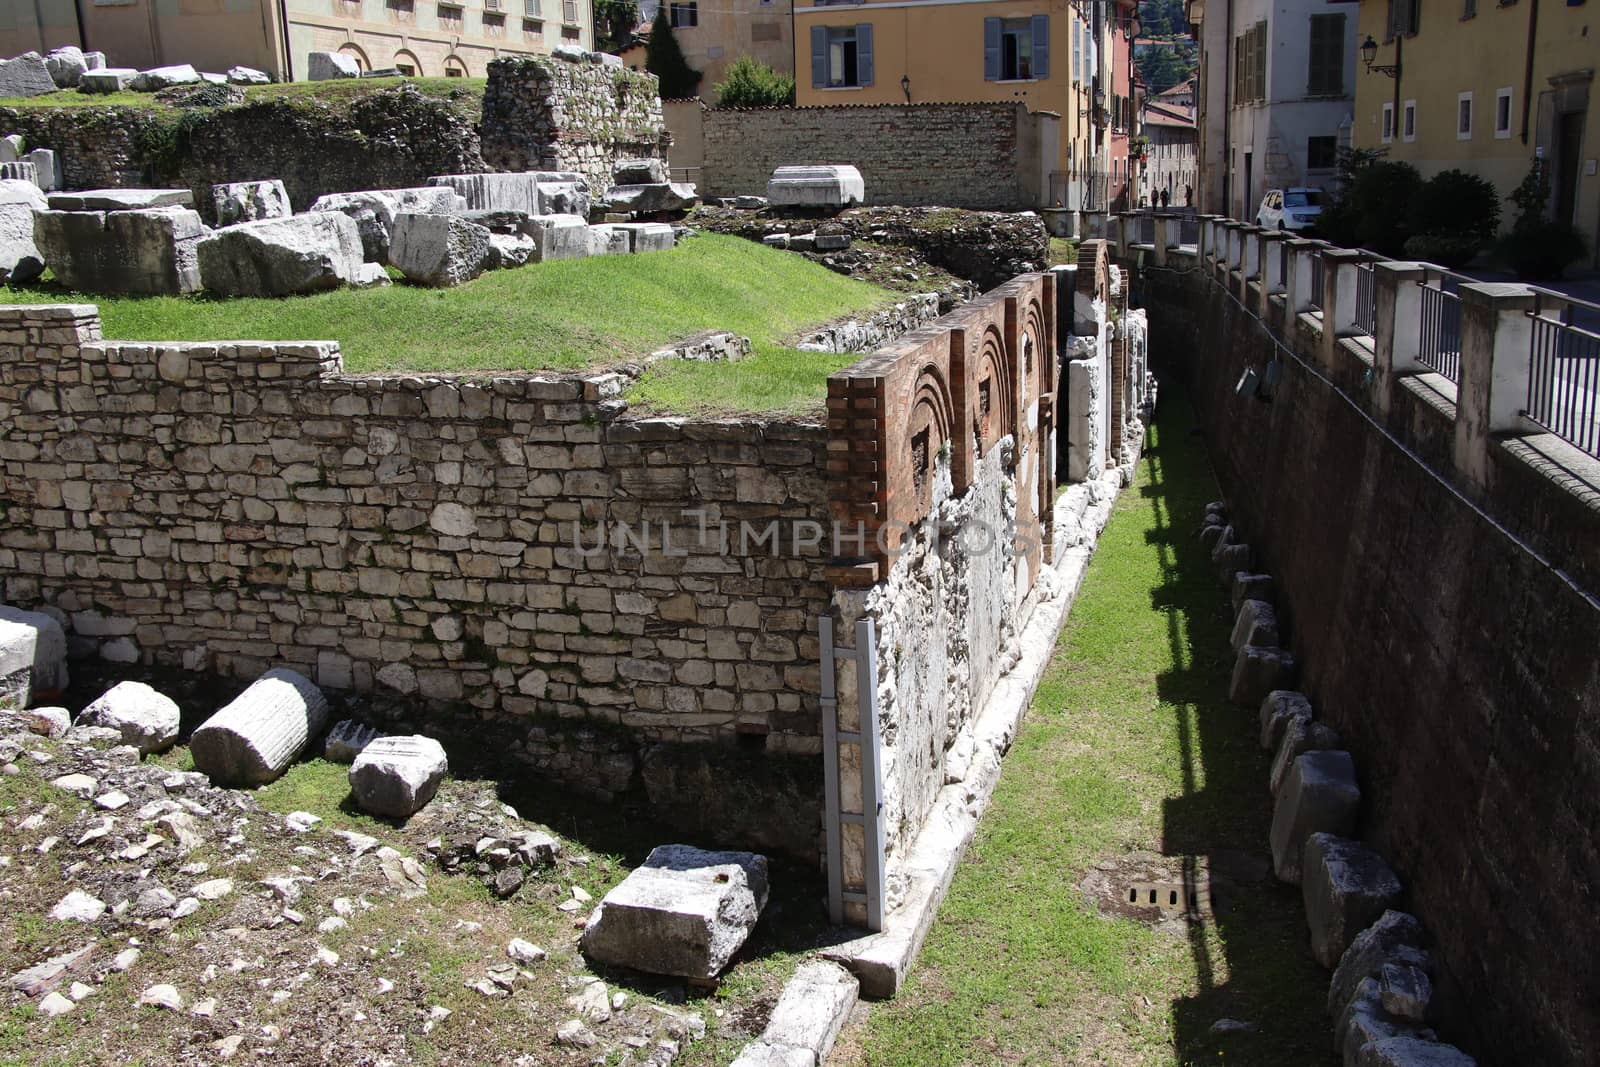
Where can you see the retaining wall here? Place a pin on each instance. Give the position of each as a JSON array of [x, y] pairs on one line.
[[1455, 660], [471, 548], [980, 156]]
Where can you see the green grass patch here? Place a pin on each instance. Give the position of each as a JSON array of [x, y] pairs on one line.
[[1129, 745], [549, 316], [1063, 250], [341, 90]]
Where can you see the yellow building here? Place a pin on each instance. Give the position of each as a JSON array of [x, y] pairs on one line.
[[425, 38], [1488, 88], [714, 33], [1048, 54]]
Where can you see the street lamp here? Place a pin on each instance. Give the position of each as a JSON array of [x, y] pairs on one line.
[[1369, 52], [905, 86]]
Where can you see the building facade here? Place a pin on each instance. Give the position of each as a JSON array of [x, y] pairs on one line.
[[1276, 96], [422, 38], [1172, 158], [1125, 101], [713, 35], [1046, 54], [1492, 89]]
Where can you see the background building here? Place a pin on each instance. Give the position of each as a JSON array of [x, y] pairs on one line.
[[713, 35], [1276, 92], [425, 38], [1172, 160], [1045, 54], [1489, 90]]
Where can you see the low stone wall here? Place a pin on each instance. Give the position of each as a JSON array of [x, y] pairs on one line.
[[550, 114], [872, 331], [627, 602], [982, 156], [1456, 662]]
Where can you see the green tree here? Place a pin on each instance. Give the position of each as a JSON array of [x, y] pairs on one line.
[[614, 21], [664, 59], [751, 83]]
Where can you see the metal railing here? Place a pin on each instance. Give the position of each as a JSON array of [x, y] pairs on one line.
[[1316, 282], [1366, 299], [1189, 231], [1564, 371], [1147, 230], [1439, 331]]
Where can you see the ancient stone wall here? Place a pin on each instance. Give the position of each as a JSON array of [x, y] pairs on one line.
[[949, 155], [942, 451], [550, 113], [1457, 663], [509, 552], [390, 138]]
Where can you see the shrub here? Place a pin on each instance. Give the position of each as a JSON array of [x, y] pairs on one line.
[[1541, 250], [751, 83], [1447, 250], [1456, 204], [1380, 197], [1538, 248]]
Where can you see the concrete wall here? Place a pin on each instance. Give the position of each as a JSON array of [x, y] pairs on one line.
[[976, 156], [1447, 627], [447, 545]]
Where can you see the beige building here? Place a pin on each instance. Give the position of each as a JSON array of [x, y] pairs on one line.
[[714, 33], [1488, 88], [424, 38]]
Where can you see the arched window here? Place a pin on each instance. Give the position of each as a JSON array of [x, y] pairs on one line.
[[408, 64], [454, 67], [354, 52]]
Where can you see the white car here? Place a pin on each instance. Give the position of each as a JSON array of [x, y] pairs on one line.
[[1290, 209]]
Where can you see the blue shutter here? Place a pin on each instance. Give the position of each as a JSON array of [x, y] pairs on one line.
[[991, 50], [864, 53], [1041, 46], [819, 57]]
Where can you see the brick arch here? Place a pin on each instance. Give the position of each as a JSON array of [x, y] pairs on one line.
[[931, 424], [1036, 345], [994, 390]]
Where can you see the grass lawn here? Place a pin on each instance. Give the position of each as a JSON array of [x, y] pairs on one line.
[[550, 316], [335, 91], [1129, 746]]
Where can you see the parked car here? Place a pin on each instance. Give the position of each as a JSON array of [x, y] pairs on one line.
[[1290, 209]]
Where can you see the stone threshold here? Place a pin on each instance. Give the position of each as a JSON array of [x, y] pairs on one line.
[[882, 960]]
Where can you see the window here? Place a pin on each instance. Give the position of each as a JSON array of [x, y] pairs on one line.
[[1402, 18], [1016, 49], [1250, 64], [449, 19], [491, 5], [841, 56], [494, 25], [1388, 123], [1322, 153], [569, 15], [532, 9], [1303, 198], [1077, 50], [1408, 122], [532, 28], [571, 33], [407, 69], [1326, 74], [683, 14], [1502, 112], [401, 10], [1464, 117], [1469, 9]]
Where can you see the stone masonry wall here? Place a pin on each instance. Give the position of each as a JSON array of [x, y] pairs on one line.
[[388, 138], [551, 113], [455, 542], [947, 155], [1457, 664]]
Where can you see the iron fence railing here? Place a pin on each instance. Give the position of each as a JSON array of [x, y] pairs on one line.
[[1147, 230], [1366, 302], [1439, 331], [1283, 264], [1189, 231], [1316, 282], [1564, 372]]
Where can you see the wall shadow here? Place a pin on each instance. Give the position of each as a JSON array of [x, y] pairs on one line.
[[1250, 949]]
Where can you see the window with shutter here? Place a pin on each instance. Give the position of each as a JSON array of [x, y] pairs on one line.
[[841, 56], [1325, 76], [1261, 61]]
